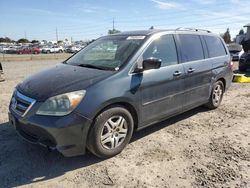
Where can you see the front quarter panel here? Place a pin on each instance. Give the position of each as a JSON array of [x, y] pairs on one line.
[[118, 88]]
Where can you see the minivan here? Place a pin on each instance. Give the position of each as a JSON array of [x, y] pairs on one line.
[[118, 84]]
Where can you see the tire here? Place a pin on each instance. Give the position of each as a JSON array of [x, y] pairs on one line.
[[216, 95], [116, 126], [47, 52]]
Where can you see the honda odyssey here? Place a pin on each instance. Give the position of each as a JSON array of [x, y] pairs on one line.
[[118, 84]]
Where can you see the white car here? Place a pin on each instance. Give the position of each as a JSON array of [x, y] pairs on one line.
[[53, 49]]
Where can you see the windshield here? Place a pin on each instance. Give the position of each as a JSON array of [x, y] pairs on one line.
[[107, 53]]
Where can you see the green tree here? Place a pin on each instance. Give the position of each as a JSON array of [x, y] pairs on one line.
[[227, 36], [23, 41], [241, 32], [34, 41], [152, 27], [113, 31], [6, 39]]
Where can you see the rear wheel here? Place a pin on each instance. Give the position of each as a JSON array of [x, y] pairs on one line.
[[216, 95], [111, 132]]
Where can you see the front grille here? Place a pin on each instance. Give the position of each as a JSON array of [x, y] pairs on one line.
[[20, 103]]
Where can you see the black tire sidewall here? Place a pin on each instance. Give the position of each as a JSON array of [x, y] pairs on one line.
[[94, 142]]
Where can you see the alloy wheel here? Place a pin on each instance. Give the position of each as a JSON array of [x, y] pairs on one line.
[[114, 132], [217, 94]]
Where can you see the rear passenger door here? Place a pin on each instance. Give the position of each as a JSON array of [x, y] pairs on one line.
[[198, 72], [161, 89]]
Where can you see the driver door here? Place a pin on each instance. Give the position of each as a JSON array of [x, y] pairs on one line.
[[162, 89]]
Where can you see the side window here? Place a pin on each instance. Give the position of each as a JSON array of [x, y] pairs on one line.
[[163, 48], [215, 46], [191, 47]]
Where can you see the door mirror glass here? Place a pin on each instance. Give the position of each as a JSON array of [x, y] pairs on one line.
[[151, 63]]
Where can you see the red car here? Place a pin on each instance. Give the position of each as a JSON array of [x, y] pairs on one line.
[[28, 51]]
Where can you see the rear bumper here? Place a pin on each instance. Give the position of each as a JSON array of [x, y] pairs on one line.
[[67, 134]]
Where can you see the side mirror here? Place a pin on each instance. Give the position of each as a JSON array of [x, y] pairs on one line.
[[151, 63]]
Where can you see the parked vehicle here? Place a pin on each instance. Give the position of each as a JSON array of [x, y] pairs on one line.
[[98, 97], [28, 50], [8, 49], [234, 55], [3, 49], [244, 62], [73, 49], [234, 50], [53, 49]]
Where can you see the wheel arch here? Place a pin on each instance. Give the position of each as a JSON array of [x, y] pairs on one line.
[[223, 81], [128, 106]]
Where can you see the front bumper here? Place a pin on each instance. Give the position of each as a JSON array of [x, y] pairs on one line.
[[67, 134]]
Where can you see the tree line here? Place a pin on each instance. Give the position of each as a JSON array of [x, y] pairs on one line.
[[22, 40], [226, 36]]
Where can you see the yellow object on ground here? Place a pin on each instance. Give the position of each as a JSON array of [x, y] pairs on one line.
[[241, 78]]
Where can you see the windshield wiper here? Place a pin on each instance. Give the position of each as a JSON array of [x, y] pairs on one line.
[[95, 67]]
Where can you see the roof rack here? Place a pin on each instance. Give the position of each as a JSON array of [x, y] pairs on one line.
[[191, 29]]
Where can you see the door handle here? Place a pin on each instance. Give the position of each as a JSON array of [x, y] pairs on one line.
[[190, 70], [177, 73]]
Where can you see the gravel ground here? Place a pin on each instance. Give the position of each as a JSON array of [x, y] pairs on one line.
[[199, 148]]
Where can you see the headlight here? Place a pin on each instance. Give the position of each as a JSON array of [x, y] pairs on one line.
[[61, 105]]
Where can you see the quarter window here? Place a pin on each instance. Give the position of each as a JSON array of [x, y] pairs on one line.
[[215, 46], [191, 47], [162, 48]]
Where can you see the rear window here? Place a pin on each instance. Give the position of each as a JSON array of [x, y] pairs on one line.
[[191, 47], [215, 46]]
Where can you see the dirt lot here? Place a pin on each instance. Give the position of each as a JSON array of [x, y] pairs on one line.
[[198, 148], [33, 57]]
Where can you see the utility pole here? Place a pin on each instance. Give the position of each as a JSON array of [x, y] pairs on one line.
[[56, 36], [25, 35], [113, 24]]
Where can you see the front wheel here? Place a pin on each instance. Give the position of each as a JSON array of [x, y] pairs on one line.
[[216, 95], [111, 132]]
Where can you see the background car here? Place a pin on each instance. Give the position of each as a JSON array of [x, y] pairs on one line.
[[244, 62], [234, 50], [52, 49], [73, 49], [234, 55], [28, 51]]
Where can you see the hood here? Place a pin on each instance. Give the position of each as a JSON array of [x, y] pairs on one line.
[[60, 79]]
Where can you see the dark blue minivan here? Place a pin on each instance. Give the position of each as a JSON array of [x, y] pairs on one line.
[[118, 84]]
